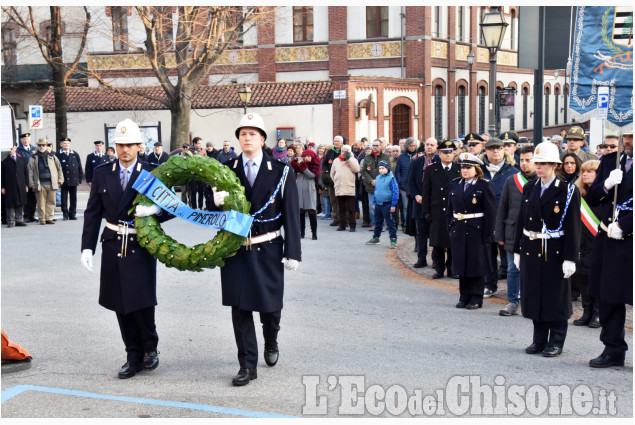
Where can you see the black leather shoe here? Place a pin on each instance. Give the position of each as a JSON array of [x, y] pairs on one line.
[[455, 276], [341, 229], [314, 237], [473, 306], [244, 375], [584, 319], [271, 355], [72, 218], [534, 349], [552, 351], [50, 222], [420, 264], [352, 229], [334, 223], [594, 322], [607, 360], [20, 224], [151, 360], [65, 218], [129, 370], [437, 275], [460, 304]]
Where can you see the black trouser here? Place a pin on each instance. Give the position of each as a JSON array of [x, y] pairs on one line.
[[69, 211], [471, 290], [139, 333], [31, 203], [245, 334], [503, 256], [423, 230], [550, 332], [442, 259], [365, 205], [197, 194], [346, 207], [589, 303], [612, 318], [491, 279]]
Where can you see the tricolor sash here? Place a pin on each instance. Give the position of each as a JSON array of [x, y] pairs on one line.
[[520, 181], [588, 218]]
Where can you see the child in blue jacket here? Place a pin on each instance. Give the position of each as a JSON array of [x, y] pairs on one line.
[[385, 200]]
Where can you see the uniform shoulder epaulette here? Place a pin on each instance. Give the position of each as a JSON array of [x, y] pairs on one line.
[[457, 178], [484, 179], [101, 165]]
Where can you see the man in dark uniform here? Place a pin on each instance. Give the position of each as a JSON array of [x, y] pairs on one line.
[[15, 182], [73, 174], [611, 277], [253, 279], [26, 150], [94, 159], [128, 271], [436, 182]]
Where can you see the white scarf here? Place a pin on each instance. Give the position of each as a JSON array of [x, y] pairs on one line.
[[495, 168]]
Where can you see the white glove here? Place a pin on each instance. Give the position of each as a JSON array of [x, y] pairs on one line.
[[87, 259], [615, 232], [290, 264], [614, 178], [517, 261], [143, 211], [568, 268], [219, 197]]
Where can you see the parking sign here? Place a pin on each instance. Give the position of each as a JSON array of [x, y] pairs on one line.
[[35, 117], [603, 102]]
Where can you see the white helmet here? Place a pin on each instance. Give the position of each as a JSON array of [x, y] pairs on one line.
[[252, 120], [127, 133], [547, 152]]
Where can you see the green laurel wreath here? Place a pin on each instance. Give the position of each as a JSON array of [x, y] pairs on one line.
[[607, 41], [176, 171]]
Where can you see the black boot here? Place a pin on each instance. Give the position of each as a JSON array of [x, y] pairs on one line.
[[313, 223], [302, 223], [595, 318], [584, 319]]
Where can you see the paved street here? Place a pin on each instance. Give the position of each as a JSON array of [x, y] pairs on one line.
[[353, 313]]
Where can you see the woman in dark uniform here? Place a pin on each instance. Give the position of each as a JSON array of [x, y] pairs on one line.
[[546, 247], [471, 215]]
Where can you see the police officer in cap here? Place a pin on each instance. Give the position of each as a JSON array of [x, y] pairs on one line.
[[611, 276], [546, 246], [128, 271], [94, 159], [470, 216], [72, 168], [253, 279], [510, 141], [474, 143], [434, 205]]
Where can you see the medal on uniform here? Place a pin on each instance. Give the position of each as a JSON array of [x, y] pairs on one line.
[[474, 200], [556, 209]]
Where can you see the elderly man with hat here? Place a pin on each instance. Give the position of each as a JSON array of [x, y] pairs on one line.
[[157, 156], [575, 141], [611, 276], [546, 246], [26, 150], [73, 174], [45, 177], [128, 271], [95, 159], [253, 279], [470, 215], [435, 196]]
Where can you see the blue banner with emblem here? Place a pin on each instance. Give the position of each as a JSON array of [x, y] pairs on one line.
[[603, 57], [232, 221]]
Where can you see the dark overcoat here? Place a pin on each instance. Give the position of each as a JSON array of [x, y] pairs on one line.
[[508, 210], [436, 184], [469, 238], [71, 167], [611, 276], [415, 186], [126, 283], [26, 152], [92, 161], [15, 179], [253, 279], [544, 293]]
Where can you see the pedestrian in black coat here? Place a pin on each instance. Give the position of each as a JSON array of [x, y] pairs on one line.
[[15, 182], [95, 159], [26, 150], [611, 277], [128, 271], [546, 247], [73, 174], [253, 279], [470, 216], [434, 206]]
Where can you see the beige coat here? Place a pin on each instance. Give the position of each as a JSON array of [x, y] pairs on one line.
[[343, 174], [56, 172]]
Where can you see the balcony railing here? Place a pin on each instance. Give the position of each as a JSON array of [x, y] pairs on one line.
[[37, 73]]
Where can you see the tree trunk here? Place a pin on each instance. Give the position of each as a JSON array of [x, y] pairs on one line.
[[61, 107], [180, 111]]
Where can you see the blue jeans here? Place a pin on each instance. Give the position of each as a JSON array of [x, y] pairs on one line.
[[382, 212], [404, 203], [513, 280], [371, 211], [326, 205]]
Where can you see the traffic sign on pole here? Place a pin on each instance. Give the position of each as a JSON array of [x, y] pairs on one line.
[[36, 120], [603, 102]]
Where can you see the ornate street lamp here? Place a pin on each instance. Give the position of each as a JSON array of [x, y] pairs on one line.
[[493, 29], [470, 59], [245, 95]]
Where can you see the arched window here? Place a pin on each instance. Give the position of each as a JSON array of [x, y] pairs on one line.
[[481, 110], [461, 111], [557, 93], [525, 107], [547, 92], [512, 28], [10, 34], [566, 93], [438, 112]]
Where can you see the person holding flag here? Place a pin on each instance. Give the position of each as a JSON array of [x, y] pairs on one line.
[[611, 276], [580, 279]]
